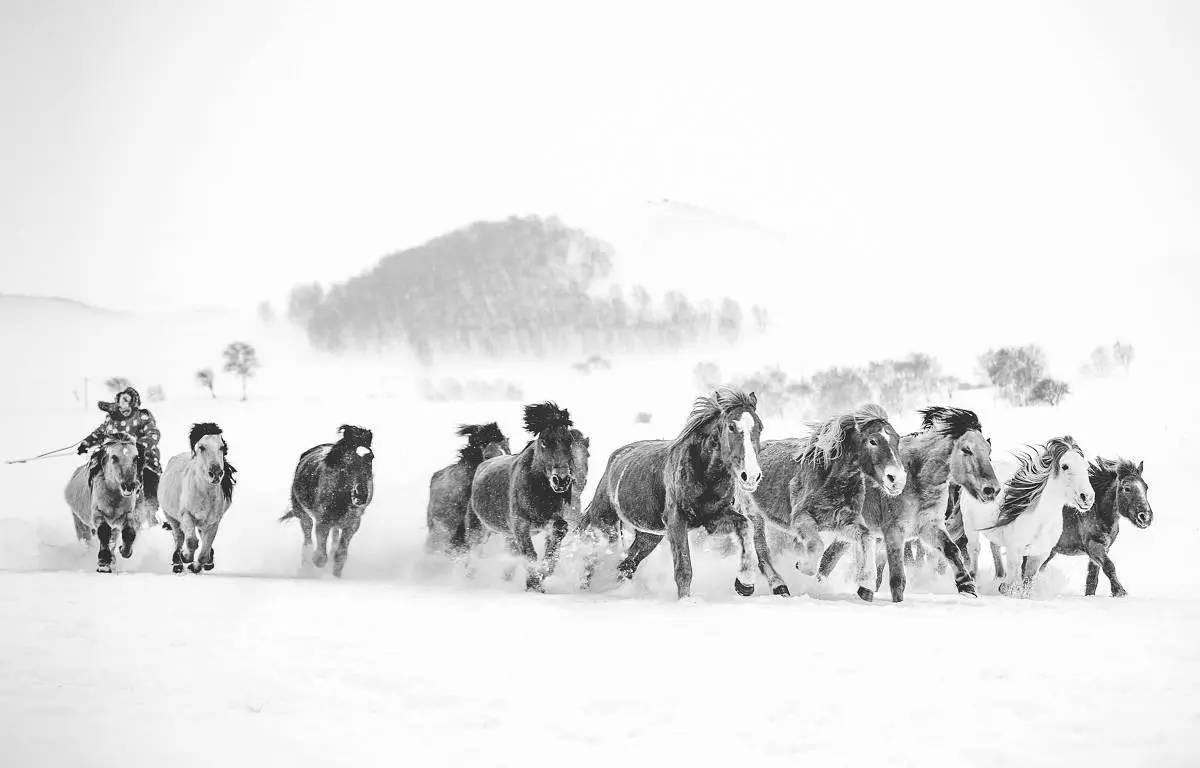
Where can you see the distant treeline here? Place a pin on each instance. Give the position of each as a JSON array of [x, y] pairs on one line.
[[525, 285]]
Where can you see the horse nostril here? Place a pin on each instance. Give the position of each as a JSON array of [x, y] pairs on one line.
[[891, 478], [745, 477], [989, 490]]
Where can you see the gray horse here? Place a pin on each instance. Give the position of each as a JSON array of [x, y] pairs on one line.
[[698, 480], [195, 493], [519, 495], [331, 489], [949, 447], [104, 494], [818, 484], [450, 487]]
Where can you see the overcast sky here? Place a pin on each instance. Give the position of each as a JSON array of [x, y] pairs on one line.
[[202, 153]]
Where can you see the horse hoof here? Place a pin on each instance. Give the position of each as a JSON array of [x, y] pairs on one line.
[[743, 589], [865, 594], [897, 597], [194, 567], [208, 566], [126, 553], [166, 526], [1122, 593], [104, 568], [967, 590], [624, 574], [177, 568], [782, 591], [535, 586]]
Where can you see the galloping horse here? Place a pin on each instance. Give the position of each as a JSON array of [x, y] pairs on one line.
[[699, 479], [518, 495], [331, 489], [949, 447], [1026, 520], [450, 487], [818, 484], [196, 491], [1120, 492], [103, 496]]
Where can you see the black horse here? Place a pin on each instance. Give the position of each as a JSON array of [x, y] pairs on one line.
[[1120, 492], [450, 487], [331, 489], [667, 487], [818, 484], [531, 491]]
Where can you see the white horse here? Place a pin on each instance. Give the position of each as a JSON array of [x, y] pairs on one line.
[[1026, 518], [196, 491], [104, 497]]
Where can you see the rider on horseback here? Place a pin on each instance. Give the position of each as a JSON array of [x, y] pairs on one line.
[[127, 417]]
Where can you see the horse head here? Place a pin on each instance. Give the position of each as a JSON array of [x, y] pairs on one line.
[[553, 454], [1129, 489], [1069, 469], [970, 452], [208, 451], [352, 455], [119, 463], [876, 443], [738, 432]]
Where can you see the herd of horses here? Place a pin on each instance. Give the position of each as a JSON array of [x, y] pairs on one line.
[[853, 483]]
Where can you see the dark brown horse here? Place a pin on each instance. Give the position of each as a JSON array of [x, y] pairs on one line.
[[529, 492], [1120, 492], [818, 484], [450, 487], [949, 447], [331, 489], [667, 487]]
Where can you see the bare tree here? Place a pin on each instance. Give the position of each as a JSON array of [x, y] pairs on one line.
[[117, 384], [240, 358]]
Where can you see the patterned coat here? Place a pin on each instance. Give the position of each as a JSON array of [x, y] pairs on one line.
[[139, 424]]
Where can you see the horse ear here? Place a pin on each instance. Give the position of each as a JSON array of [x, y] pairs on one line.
[[1140, 463], [753, 400]]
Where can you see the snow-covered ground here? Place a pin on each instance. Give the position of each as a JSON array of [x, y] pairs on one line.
[[405, 658]]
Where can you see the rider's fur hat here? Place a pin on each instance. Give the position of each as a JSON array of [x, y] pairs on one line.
[[135, 400]]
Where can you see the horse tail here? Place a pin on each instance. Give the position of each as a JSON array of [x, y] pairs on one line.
[[291, 512]]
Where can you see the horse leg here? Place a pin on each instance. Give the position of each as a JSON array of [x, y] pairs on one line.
[[758, 537], [522, 539], [681, 550], [128, 534], [592, 536], [105, 558], [998, 560], [1093, 579], [1029, 571], [938, 538], [558, 532], [830, 558], [320, 553], [863, 542], [204, 555], [177, 535], [1009, 586], [807, 537], [188, 523], [1097, 552], [306, 528], [743, 583], [643, 544], [342, 549], [893, 542]]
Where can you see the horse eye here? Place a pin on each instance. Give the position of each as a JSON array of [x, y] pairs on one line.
[[1065, 467], [1124, 489], [873, 442], [731, 427], [967, 451]]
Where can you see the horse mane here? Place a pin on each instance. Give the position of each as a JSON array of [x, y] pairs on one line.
[[949, 422], [823, 445], [540, 417], [202, 430], [1025, 487], [351, 439], [707, 408], [228, 481], [1102, 473], [478, 435]]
